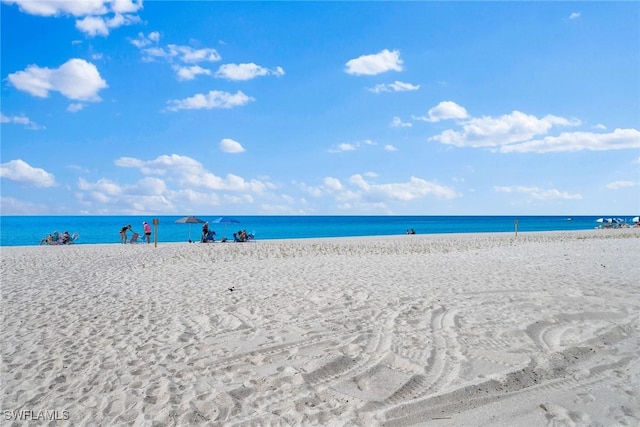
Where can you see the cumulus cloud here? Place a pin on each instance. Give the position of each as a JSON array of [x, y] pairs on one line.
[[347, 146], [574, 15], [190, 73], [398, 123], [619, 139], [515, 127], [75, 107], [359, 192], [93, 22], [184, 60], [99, 26], [390, 147], [622, 184], [228, 145], [143, 41], [396, 86], [21, 120], [76, 79], [208, 101], [249, 71], [191, 174], [182, 54], [21, 172], [169, 183], [373, 64], [537, 193], [446, 110]]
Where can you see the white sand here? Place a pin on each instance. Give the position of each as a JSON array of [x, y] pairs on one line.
[[449, 330]]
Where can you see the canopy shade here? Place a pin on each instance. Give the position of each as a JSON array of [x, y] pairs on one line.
[[190, 220], [226, 220]]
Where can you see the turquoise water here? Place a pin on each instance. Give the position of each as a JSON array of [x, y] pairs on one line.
[[28, 230]]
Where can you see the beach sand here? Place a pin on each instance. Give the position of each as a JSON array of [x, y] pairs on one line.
[[440, 330]]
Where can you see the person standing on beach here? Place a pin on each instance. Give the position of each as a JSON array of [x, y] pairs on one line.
[[123, 233], [205, 231], [147, 231]]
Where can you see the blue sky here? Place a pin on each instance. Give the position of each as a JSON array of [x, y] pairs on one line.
[[320, 108]]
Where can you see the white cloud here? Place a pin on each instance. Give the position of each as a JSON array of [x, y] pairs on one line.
[[228, 145], [190, 73], [446, 110], [13, 206], [496, 132], [143, 41], [189, 173], [213, 99], [619, 139], [415, 188], [184, 59], [622, 184], [190, 55], [359, 193], [23, 173], [173, 52], [61, 7], [21, 120], [373, 64], [76, 79], [390, 147], [574, 15], [92, 12], [99, 26], [346, 146], [75, 107], [537, 193], [398, 123], [397, 86], [249, 71]]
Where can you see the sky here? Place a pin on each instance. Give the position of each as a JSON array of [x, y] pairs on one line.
[[124, 107]]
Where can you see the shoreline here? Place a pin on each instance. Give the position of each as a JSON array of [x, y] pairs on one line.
[[465, 329], [623, 231]]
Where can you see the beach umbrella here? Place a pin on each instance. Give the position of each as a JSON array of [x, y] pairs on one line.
[[636, 219], [226, 221], [190, 220]]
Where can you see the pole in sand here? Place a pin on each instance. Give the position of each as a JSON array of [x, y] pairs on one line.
[[515, 224], [155, 232]]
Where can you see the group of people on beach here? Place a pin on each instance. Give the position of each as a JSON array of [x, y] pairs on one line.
[[134, 238], [209, 236], [56, 238]]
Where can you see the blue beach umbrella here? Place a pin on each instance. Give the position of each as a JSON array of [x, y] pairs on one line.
[[226, 221]]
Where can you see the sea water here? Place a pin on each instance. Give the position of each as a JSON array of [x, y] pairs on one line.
[[29, 230]]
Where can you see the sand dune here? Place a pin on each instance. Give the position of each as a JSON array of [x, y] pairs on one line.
[[446, 330]]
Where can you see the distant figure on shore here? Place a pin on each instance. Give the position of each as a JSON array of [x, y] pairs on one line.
[[147, 231], [205, 231], [123, 233], [412, 231]]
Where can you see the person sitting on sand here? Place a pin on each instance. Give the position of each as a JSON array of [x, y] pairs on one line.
[[123, 233], [65, 238], [51, 239]]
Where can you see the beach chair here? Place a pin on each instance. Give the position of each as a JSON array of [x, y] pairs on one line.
[[134, 238], [210, 237]]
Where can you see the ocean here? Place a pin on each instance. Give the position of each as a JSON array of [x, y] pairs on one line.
[[29, 230]]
